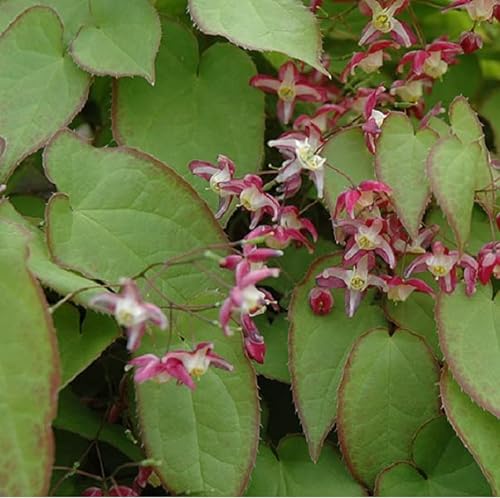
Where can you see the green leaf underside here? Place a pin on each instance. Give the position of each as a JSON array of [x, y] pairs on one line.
[[479, 430], [347, 152], [400, 163], [451, 167], [29, 366], [119, 41], [41, 89], [148, 215], [441, 466], [195, 110], [41, 265], [388, 389], [274, 25], [79, 348], [469, 332], [318, 349], [74, 417], [291, 472]]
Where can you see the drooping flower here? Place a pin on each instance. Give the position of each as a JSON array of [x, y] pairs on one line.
[[399, 289], [441, 262], [383, 22], [411, 90], [355, 282], [315, 5], [320, 300], [130, 311], [470, 42], [402, 243], [142, 478], [370, 61], [478, 10], [372, 129], [118, 490], [290, 86], [362, 197], [471, 270], [489, 262], [253, 341], [179, 365], [323, 119], [217, 176]]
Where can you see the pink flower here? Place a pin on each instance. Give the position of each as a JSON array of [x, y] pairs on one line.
[[411, 90], [359, 198], [323, 119], [478, 10], [130, 311], [122, 491], [244, 298], [355, 282], [401, 242], [315, 5], [433, 61], [320, 301], [441, 262], [290, 86], [399, 289], [383, 22], [370, 61], [251, 253], [302, 150], [217, 176], [489, 262], [255, 347], [367, 236], [141, 480], [471, 269], [93, 491], [179, 365], [470, 42]]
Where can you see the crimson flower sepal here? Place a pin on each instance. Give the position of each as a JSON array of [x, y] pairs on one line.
[[251, 253], [130, 311], [489, 262], [470, 42], [399, 289], [478, 10], [320, 301], [356, 199]]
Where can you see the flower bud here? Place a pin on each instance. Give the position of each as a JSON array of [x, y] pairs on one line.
[[470, 42], [320, 300], [256, 350]]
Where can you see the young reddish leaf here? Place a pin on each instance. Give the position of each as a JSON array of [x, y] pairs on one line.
[[119, 41], [30, 374], [451, 168], [469, 333], [440, 466], [318, 348], [478, 430], [388, 389], [290, 472], [400, 163], [273, 25], [196, 110], [44, 89]]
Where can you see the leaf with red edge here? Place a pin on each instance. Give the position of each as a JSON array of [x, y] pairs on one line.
[[469, 333], [30, 373]]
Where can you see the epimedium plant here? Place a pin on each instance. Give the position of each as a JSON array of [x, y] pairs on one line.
[[250, 247]]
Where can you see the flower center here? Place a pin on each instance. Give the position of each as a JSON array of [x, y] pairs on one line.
[[439, 270], [307, 158], [357, 283], [127, 313], [383, 22], [434, 66], [286, 92], [198, 372], [365, 242], [253, 301], [249, 198]]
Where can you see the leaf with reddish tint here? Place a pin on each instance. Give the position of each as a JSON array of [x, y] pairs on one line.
[[30, 374], [389, 388], [469, 332]]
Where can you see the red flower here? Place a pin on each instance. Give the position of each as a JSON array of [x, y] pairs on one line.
[[489, 262], [399, 289], [359, 198], [320, 301]]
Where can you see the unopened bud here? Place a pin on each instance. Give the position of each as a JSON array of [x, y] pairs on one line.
[[470, 42], [320, 300]]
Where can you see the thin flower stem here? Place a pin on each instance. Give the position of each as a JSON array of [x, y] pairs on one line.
[[340, 172], [72, 470]]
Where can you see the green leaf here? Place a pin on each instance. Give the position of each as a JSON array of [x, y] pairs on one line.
[[469, 332], [80, 346], [290, 472], [318, 349], [30, 376], [400, 163], [74, 417], [490, 109], [41, 90], [451, 168], [120, 39], [478, 430], [388, 389], [441, 466], [276, 25], [276, 337], [346, 151], [195, 110], [41, 265]]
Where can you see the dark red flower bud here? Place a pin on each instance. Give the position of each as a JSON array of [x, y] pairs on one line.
[[320, 300], [470, 42], [256, 350]]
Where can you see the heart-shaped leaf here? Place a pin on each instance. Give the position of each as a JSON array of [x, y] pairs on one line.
[[30, 378], [274, 25], [400, 163], [121, 212], [451, 168], [42, 89], [119, 39], [440, 466], [388, 390], [318, 348], [469, 333], [195, 110], [478, 430], [290, 472]]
